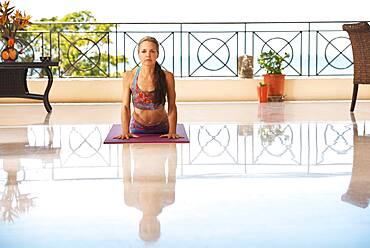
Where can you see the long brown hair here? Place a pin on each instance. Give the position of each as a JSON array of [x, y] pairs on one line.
[[159, 76]]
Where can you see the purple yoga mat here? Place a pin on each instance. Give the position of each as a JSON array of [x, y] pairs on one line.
[[145, 138]]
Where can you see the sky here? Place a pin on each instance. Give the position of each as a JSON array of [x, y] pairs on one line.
[[199, 10]]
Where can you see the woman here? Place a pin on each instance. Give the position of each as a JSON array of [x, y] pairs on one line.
[[148, 85]]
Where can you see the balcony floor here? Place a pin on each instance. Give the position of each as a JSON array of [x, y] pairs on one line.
[[292, 174]]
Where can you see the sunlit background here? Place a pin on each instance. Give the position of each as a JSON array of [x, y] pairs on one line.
[[205, 10]]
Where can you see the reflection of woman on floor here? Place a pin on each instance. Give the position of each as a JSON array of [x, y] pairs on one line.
[[358, 192], [147, 186]]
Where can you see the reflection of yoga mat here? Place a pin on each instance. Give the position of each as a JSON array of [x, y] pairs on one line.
[[145, 138]]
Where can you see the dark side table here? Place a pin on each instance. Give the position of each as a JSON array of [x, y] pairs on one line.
[[13, 80]]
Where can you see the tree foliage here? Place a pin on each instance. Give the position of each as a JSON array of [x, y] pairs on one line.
[[82, 47]]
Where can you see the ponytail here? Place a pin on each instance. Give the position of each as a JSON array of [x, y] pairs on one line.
[[161, 84]]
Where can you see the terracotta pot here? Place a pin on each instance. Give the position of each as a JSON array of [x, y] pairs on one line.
[[262, 92], [275, 83]]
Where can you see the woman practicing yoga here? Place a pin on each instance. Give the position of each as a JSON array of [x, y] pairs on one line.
[[148, 85]]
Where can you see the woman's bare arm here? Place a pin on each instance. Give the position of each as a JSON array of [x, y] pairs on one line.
[[126, 111], [172, 108]]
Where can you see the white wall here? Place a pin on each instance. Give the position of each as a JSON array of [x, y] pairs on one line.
[[190, 90]]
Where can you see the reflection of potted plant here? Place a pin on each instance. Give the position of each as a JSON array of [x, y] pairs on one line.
[[268, 133], [272, 62], [262, 91], [10, 23]]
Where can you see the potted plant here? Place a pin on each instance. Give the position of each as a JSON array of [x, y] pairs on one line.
[[11, 21], [272, 62], [262, 91]]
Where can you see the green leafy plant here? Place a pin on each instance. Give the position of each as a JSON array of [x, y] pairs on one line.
[[272, 62], [262, 84], [77, 32]]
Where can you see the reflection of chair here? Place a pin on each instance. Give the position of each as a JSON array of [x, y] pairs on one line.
[[359, 34], [14, 143], [9, 119], [358, 192]]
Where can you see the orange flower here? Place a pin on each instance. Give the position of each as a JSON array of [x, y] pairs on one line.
[[18, 14], [3, 20], [11, 22], [6, 4], [11, 42]]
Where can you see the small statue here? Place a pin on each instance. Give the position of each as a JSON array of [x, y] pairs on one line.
[[245, 66]]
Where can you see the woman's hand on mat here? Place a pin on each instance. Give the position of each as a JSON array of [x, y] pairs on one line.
[[125, 136], [171, 136]]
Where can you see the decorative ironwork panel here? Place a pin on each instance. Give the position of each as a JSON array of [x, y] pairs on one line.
[[212, 52], [333, 54], [281, 43], [166, 49], [82, 54]]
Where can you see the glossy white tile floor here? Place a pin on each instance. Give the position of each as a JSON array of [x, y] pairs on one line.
[[274, 175]]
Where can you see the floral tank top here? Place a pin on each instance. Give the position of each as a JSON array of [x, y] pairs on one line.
[[143, 99]]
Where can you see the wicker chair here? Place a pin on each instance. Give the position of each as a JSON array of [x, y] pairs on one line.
[[359, 34]]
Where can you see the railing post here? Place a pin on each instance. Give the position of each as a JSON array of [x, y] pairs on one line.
[[109, 54], [124, 50], [116, 31], [42, 44], [181, 37], [50, 45], [189, 54], [173, 52], [309, 50], [245, 38], [317, 47], [60, 74]]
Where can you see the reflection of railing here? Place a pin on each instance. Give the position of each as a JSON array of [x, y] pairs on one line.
[[62, 152], [276, 135], [83, 149], [213, 147], [190, 49], [271, 144], [213, 143], [337, 142]]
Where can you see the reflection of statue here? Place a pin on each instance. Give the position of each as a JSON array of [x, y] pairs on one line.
[[358, 192], [147, 187], [14, 146]]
